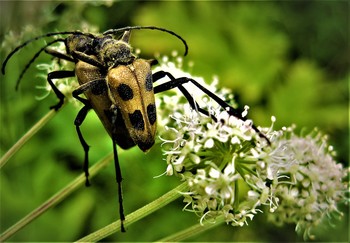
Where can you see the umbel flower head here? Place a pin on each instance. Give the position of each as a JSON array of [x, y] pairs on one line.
[[234, 173], [313, 182]]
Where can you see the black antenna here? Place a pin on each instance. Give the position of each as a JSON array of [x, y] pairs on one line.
[[40, 37], [113, 31], [33, 59]]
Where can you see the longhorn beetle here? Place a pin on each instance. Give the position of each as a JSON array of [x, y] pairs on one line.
[[118, 86]]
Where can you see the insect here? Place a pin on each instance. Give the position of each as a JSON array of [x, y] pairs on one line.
[[118, 86]]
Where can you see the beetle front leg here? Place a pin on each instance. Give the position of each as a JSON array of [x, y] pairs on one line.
[[80, 119], [77, 122], [58, 75], [88, 59], [59, 55]]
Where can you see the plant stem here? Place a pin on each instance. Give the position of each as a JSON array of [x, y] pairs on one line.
[[194, 230], [19, 144], [55, 199], [137, 215]]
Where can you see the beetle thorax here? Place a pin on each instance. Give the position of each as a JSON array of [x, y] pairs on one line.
[[114, 53]]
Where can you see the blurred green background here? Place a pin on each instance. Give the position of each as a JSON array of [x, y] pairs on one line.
[[287, 59]]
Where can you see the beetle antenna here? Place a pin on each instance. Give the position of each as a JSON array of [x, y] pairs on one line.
[[37, 38], [113, 31], [33, 59]]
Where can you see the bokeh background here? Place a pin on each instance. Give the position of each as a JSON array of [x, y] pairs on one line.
[[287, 59]]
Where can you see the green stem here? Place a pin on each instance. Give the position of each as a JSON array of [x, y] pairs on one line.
[[19, 144], [55, 199], [193, 230], [137, 215]]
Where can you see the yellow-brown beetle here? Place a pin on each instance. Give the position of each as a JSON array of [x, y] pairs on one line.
[[118, 87]]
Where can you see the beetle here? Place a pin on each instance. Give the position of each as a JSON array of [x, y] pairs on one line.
[[118, 86], [94, 57]]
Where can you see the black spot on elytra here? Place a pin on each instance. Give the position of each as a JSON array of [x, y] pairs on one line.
[[125, 92], [151, 113], [149, 82], [136, 120]]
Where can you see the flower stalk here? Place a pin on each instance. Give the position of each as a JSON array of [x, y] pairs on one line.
[[26, 137], [193, 230], [136, 215], [57, 198]]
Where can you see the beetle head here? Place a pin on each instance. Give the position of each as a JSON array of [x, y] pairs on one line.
[[115, 52], [78, 42]]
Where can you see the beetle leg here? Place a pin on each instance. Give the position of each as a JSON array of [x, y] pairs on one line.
[[80, 119], [77, 122], [88, 59], [59, 55], [58, 75], [177, 82], [119, 179], [188, 96]]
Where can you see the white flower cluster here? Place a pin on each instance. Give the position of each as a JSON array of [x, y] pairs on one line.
[[313, 185], [218, 158], [233, 172]]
